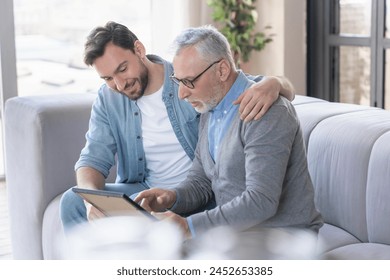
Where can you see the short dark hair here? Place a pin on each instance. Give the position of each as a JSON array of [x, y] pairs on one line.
[[99, 37]]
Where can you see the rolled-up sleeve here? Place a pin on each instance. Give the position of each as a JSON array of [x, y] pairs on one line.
[[100, 148]]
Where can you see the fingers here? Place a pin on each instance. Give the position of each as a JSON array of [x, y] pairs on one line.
[[251, 107], [146, 204], [153, 200], [258, 111], [141, 196], [94, 214], [246, 106], [239, 99], [254, 110], [255, 107], [145, 199], [262, 112], [245, 101], [87, 206], [156, 199], [176, 219]]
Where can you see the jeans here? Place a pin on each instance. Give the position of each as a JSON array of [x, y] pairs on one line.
[[72, 207]]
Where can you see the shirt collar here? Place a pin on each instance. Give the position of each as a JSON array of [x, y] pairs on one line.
[[238, 87]]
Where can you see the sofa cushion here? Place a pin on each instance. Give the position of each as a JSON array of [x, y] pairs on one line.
[[361, 251], [339, 152], [378, 190], [331, 237], [52, 231]]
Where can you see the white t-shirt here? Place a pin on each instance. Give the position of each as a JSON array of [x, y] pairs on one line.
[[166, 160]]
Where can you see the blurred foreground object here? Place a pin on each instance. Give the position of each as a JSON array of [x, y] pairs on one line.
[[125, 237], [138, 238], [266, 244]]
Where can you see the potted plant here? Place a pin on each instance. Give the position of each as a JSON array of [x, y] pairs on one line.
[[237, 21]]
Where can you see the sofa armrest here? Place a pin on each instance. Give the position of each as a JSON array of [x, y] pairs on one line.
[[43, 139]]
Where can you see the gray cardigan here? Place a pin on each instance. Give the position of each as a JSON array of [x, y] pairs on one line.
[[260, 178]]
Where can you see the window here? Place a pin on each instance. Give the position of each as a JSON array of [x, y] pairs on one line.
[[50, 34], [347, 46]]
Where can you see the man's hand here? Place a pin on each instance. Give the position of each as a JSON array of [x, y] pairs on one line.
[[257, 99], [92, 212], [156, 200], [90, 178], [176, 219]]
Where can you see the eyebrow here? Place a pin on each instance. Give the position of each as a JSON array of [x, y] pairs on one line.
[[116, 70]]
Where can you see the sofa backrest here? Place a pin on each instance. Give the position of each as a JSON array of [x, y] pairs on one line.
[[378, 190], [348, 150]]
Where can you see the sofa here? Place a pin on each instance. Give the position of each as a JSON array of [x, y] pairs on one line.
[[348, 155]]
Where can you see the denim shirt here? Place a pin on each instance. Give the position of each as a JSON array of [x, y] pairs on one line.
[[115, 133]]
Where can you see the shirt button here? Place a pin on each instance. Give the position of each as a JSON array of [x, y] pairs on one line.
[[138, 137], [136, 113], [140, 159], [139, 174]]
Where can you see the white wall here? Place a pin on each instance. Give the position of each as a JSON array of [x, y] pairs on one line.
[[286, 54]]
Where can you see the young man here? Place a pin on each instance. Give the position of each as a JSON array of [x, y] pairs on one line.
[[139, 123], [257, 171]]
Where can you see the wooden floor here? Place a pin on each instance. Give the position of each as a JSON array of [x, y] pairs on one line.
[[5, 241]]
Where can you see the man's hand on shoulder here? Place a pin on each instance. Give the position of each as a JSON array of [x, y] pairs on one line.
[[256, 100]]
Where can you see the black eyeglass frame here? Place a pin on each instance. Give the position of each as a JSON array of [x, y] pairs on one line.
[[190, 83]]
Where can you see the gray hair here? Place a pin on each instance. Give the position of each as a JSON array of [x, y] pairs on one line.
[[207, 40]]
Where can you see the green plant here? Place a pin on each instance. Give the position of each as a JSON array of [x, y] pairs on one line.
[[238, 21]]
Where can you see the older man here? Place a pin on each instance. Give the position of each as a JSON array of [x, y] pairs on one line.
[[257, 171]]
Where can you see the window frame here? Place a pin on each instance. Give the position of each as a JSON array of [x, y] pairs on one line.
[[323, 50], [8, 74]]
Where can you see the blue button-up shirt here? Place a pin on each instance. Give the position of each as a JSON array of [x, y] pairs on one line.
[[115, 133], [222, 115]]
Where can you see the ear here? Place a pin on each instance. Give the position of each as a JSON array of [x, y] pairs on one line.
[[139, 49], [224, 70]]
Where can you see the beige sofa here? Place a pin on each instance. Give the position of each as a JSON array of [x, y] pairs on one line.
[[348, 154]]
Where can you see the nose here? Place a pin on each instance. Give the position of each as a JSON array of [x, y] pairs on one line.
[[184, 92], [120, 83]]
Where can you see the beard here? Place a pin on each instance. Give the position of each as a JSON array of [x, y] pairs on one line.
[[217, 94], [136, 88], [204, 107]]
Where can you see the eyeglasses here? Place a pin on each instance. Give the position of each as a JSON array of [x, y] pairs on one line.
[[190, 83]]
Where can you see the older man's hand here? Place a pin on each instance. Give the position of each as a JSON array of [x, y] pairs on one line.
[[156, 200]]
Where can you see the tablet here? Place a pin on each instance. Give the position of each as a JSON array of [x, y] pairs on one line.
[[112, 203]]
